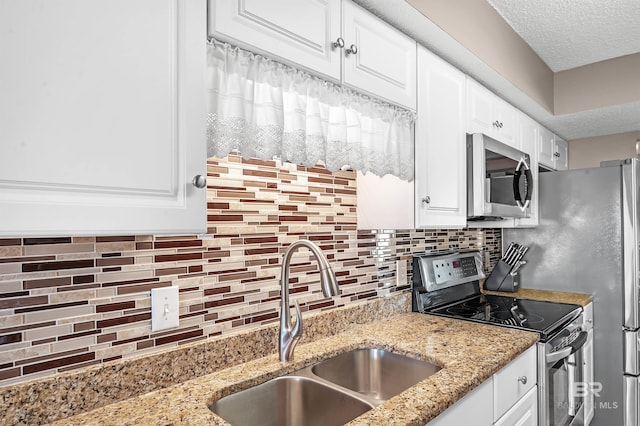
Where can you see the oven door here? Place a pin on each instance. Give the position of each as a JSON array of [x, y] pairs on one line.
[[563, 381], [500, 183]]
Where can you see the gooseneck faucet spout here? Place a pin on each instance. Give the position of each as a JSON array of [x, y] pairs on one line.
[[290, 334]]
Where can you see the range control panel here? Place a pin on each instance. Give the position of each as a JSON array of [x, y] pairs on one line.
[[442, 271]]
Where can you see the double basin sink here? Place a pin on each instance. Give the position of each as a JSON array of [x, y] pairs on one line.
[[331, 392]]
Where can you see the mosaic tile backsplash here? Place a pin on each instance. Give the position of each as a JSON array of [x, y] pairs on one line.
[[71, 302]]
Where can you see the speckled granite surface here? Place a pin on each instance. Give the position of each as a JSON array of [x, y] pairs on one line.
[[46, 400], [468, 353], [547, 295]]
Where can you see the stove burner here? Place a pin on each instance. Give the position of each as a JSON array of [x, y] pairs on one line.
[[526, 314]]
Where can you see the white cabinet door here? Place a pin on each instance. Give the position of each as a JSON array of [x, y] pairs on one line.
[[523, 413], [474, 408], [384, 61], [299, 31], [547, 149], [506, 115], [528, 130], [479, 109], [384, 202], [488, 114], [102, 115], [562, 154], [440, 145]]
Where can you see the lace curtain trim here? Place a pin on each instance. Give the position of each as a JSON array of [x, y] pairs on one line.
[[263, 108]]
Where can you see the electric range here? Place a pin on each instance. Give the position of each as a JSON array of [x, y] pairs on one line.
[[448, 285]]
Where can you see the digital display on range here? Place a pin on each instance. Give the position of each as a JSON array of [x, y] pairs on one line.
[[456, 263]]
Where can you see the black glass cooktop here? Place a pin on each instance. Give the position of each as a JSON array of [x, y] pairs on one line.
[[532, 315]]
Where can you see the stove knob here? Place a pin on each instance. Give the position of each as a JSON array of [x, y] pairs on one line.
[[523, 380]]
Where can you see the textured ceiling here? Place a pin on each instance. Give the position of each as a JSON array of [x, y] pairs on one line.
[[596, 122], [570, 33]]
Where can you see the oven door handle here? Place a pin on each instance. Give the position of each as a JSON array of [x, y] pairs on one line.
[[553, 357]]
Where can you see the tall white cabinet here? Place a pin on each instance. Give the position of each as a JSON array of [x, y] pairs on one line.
[[102, 115], [440, 144]]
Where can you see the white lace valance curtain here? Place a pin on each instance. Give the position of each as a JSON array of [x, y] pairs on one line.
[[263, 109]]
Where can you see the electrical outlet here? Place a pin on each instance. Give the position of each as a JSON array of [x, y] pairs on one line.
[[164, 308], [401, 272]]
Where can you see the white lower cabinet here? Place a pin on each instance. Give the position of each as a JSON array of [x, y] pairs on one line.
[[508, 398], [589, 400], [514, 381], [474, 408], [523, 413]]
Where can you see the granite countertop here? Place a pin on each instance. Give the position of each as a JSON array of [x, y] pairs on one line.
[[468, 353], [547, 295]]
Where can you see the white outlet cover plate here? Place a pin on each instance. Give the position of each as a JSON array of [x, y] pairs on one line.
[[164, 308]]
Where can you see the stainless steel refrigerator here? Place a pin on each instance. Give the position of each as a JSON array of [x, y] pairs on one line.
[[587, 241]]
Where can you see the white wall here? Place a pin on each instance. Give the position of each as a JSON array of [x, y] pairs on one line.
[[589, 152]]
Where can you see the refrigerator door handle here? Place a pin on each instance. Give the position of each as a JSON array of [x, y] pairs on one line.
[[631, 399], [631, 352], [630, 249]]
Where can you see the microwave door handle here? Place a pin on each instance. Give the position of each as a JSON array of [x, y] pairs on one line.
[[516, 184]]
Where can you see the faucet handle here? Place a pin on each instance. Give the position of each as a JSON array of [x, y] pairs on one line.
[[296, 332]]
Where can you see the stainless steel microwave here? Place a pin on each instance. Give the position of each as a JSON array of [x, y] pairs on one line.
[[499, 180]]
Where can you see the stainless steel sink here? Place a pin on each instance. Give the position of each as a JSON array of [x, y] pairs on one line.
[[374, 372], [290, 400], [332, 392]]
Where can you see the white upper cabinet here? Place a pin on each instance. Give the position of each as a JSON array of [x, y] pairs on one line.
[[339, 40], [384, 202], [440, 145], [378, 59], [561, 154], [553, 151], [103, 117], [299, 31], [488, 114], [547, 148]]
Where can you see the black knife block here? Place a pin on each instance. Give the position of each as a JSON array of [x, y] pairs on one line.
[[501, 279]]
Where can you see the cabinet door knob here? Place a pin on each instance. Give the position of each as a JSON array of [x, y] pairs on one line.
[[352, 49], [199, 181], [426, 200], [556, 154], [338, 43], [523, 380], [496, 124]]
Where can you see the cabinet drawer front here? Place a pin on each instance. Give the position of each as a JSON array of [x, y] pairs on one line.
[[296, 31], [524, 413], [514, 381], [385, 62]]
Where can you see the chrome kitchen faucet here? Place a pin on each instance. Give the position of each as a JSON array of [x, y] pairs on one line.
[[289, 335]]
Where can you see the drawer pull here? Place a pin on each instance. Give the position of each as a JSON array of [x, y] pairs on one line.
[[523, 380]]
